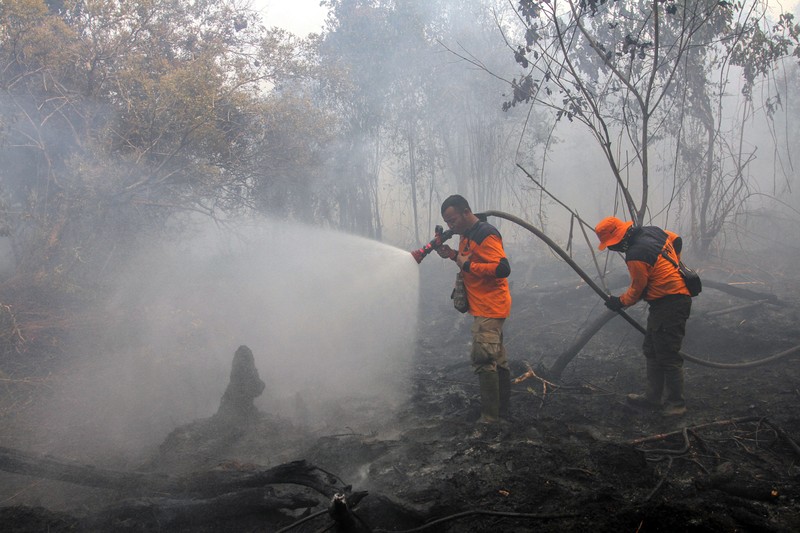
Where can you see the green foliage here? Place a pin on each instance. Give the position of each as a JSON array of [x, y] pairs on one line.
[[762, 47], [118, 116]]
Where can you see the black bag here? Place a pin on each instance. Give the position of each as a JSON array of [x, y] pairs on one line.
[[459, 295], [690, 277]]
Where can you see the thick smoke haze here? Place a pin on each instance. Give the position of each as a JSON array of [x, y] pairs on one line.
[[330, 318]]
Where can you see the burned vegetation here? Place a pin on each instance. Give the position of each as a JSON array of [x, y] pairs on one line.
[[574, 458]]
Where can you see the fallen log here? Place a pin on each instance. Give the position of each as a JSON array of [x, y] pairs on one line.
[[47, 467], [733, 309], [739, 292], [197, 498], [295, 473], [203, 484], [166, 512]]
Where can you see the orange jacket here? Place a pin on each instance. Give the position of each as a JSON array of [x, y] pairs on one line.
[[486, 271], [652, 276]]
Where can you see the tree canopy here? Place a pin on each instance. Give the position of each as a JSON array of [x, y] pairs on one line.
[[124, 119]]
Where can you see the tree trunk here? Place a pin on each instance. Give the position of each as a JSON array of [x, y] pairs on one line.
[[204, 484]]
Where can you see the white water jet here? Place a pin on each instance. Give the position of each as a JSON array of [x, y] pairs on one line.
[[330, 318]]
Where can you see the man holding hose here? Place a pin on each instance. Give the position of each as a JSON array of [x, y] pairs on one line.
[[485, 270], [657, 280]]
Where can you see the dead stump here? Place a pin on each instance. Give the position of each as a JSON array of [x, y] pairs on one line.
[[245, 386], [205, 442]]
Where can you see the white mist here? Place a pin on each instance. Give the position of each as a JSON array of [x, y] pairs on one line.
[[330, 318]]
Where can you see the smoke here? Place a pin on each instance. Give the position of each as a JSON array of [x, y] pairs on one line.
[[330, 318]]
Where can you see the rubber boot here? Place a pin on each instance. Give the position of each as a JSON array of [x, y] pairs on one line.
[[504, 379], [675, 404], [490, 397], [651, 399]]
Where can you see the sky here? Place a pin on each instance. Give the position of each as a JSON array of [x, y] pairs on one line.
[[300, 17]]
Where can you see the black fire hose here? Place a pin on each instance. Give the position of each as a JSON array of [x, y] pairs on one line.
[[585, 277]]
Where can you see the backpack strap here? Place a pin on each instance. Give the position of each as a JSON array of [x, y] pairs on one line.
[[666, 256]]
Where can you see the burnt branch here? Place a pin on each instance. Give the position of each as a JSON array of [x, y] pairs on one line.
[[205, 484]]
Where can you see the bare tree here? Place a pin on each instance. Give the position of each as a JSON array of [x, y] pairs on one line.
[[626, 69]]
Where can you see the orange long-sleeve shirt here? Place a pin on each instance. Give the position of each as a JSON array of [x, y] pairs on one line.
[[486, 271], [652, 276]]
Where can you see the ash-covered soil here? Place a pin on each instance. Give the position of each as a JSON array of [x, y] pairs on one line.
[[575, 457]]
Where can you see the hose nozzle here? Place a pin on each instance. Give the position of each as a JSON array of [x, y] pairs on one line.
[[437, 241]]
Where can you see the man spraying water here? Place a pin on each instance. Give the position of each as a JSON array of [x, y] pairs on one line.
[[483, 264]]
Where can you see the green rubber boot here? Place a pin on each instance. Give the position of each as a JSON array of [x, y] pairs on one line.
[[675, 405], [490, 397], [651, 399], [504, 379]]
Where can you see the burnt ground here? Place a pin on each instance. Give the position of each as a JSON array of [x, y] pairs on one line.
[[575, 458]]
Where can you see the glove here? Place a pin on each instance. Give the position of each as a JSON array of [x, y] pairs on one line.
[[614, 303]]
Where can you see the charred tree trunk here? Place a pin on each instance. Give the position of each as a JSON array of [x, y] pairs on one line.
[[204, 484], [167, 512], [586, 335]]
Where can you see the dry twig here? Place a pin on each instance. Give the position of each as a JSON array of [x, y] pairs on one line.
[[662, 436]]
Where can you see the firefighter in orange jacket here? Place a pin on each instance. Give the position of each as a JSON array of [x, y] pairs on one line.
[[485, 270], [657, 281]]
